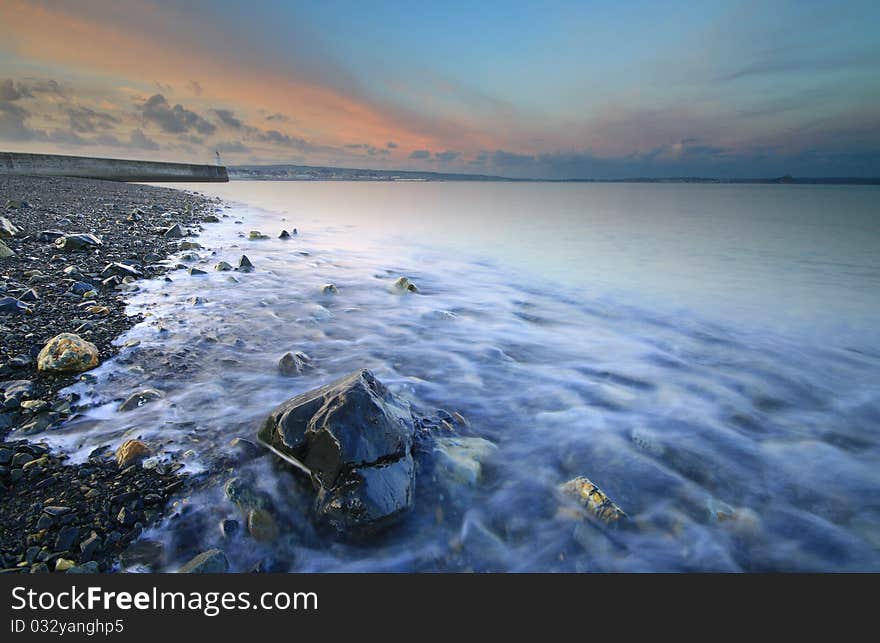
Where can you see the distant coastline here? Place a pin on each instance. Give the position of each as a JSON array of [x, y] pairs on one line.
[[321, 173]]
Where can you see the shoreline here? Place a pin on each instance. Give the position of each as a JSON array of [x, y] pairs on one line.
[[56, 515]]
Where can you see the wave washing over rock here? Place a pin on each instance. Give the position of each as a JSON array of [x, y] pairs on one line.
[[516, 426]]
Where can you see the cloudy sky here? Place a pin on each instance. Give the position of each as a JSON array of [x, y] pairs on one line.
[[549, 89]]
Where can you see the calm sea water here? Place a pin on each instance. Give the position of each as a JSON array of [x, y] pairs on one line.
[[693, 349]]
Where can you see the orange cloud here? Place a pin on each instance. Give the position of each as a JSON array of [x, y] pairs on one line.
[[123, 55]]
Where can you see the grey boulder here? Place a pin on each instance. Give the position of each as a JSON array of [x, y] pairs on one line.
[[355, 439]]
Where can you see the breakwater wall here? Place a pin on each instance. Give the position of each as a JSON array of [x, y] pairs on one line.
[[86, 167]]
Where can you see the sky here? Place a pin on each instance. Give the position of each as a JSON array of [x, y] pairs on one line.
[[550, 89]]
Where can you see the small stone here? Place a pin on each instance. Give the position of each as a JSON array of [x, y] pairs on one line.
[[256, 234], [284, 235], [196, 271], [329, 289], [175, 232], [140, 398], [223, 267], [593, 499], [66, 538], [245, 265], [190, 245], [7, 229], [212, 561], [196, 301], [83, 241], [20, 459], [5, 251], [131, 451], [12, 306], [63, 564], [91, 567], [67, 353], [405, 285], [292, 364], [49, 236], [54, 510]]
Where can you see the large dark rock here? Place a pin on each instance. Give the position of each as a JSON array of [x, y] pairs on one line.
[[355, 439]]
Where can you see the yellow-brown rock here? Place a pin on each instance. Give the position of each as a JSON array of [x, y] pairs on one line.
[[67, 353], [593, 499], [131, 451]]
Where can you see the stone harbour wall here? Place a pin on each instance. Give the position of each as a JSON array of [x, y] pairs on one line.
[[108, 169]]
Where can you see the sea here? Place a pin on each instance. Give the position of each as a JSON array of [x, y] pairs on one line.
[[706, 354]]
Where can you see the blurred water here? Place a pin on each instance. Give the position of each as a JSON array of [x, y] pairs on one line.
[[694, 350]]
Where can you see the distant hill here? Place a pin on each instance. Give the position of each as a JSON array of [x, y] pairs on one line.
[[320, 173]]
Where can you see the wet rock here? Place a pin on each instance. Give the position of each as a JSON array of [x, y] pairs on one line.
[[67, 538], [228, 527], [131, 451], [245, 496], [284, 235], [175, 232], [244, 450], [196, 271], [49, 236], [256, 234], [212, 561], [143, 552], [140, 398], [292, 364], [261, 525], [29, 296], [355, 439], [329, 289], [223, 267], [196, 301], [592, 499], [245, 265], [64, 564], [211, 218], [5, 251], [67, 353], [405, 285], [81, 241], [12, 306], [190, 245], [458, 461], [90, 567]]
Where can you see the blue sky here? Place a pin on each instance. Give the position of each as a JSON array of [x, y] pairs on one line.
[[538, 89]]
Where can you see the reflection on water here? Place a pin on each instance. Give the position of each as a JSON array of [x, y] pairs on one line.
[[730, 448]]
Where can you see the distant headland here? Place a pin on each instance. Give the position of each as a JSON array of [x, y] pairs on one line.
[[322, 173]]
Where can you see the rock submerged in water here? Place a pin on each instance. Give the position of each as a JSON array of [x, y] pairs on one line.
[[329, 289], [593, 499], [405, 285], [355, 439], [245, 265], [292, 364], [66, 353], [140, 398], [213, 561]]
